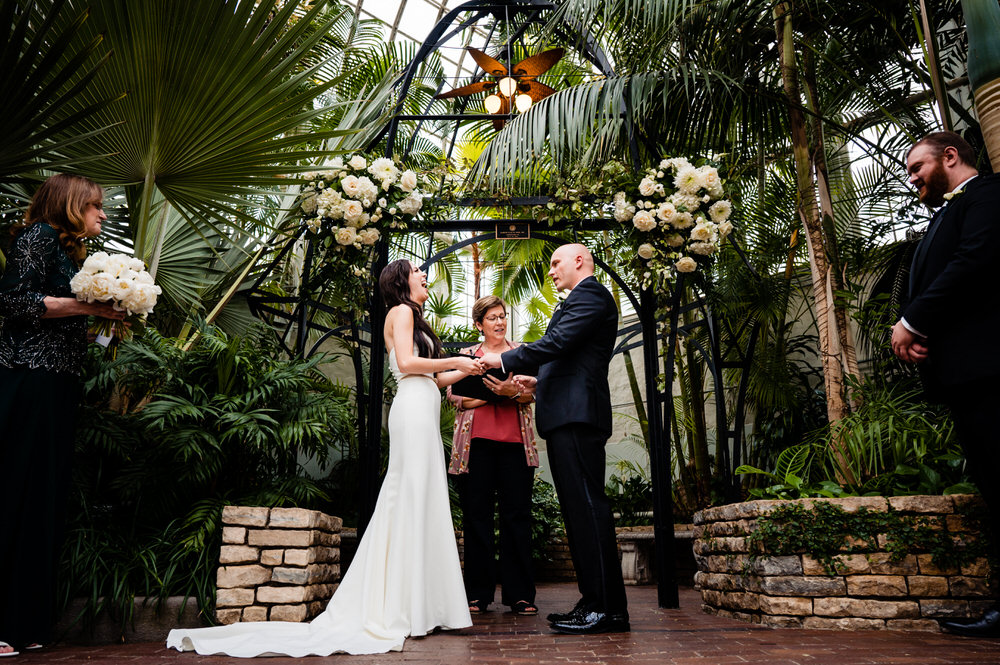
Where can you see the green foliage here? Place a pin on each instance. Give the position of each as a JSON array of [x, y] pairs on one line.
[[825, 531], [631, 494], [168, 437], [546, 517], [893, 444]]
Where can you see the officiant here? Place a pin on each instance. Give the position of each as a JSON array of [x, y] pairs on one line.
[[493, 460]]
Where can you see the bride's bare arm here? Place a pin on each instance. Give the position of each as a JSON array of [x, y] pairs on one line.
[[399, 336]]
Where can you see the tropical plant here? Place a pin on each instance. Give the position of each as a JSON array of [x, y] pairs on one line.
[[892, 445], [166, 438], [217, 112]]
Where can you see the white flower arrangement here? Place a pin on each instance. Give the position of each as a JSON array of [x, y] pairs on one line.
[[679, 219], [348, 201]]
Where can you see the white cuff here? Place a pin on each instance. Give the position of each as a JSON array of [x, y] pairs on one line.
[[911, 328]]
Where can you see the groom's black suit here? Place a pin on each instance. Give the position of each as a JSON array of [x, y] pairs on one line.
[[573, 414], [955, 303]]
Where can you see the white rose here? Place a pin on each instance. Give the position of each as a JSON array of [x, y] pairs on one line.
[[666, 211], [367, 189], [308, 203], [141, 298], [644, 221], [674, 240], [702, 232], [96, 262], [725, 228], [351, 186], [645, 251], [357, 162], [647, 187], [369, 236], [408, 181], [720, 211], [702, 248], [346, 235], [352, 211], [314, 224], [686, 264], [102, 287], [411, 205], [81, 285], [383, 169], [136, 264]]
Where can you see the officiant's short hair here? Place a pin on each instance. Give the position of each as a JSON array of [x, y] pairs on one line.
[[485, 304]]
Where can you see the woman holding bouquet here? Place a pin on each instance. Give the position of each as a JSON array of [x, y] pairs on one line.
[[43, 340], [405, 579]]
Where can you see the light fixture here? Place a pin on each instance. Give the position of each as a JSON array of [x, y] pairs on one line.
[[522, 102], [492, 103], [507, 86]]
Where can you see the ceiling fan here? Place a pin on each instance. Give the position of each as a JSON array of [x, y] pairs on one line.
[[517, 89]]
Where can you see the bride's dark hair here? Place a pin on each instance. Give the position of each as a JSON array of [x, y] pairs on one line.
[[394, 283]]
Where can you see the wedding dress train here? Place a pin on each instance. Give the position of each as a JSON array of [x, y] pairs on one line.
[[405, 578]]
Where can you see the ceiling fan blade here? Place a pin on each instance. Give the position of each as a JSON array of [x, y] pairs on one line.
[[490, 65], [466, 90], [537, 91], [538, 64]]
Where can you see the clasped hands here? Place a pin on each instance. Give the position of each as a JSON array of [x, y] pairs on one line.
[[907, 345]]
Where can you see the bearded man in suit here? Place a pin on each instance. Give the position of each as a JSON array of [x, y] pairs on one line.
[[953, 311], [573, 414]]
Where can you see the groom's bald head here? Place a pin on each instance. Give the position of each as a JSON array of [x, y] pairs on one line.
[[570, 264]]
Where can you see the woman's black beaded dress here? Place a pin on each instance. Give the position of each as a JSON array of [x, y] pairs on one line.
[[40, 363]]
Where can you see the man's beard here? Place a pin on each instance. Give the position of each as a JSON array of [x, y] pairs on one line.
[[935, 186]]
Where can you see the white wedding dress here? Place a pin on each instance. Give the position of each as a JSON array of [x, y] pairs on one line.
[[405, 578]]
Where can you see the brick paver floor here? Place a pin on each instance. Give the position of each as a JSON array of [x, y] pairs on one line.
[[683, 636]]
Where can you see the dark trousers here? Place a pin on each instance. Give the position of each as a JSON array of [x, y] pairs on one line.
[[499, 479], [973, 407], [37, 417], [577, 459]]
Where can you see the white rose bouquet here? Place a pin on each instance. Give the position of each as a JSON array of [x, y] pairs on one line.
[[677, 218], [120, 280]]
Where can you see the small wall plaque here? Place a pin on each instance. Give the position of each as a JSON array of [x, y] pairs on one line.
[[513, 231]]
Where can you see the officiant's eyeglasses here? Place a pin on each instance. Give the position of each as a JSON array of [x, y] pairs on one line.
[[495, 318]]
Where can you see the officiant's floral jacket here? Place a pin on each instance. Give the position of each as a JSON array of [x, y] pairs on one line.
[[463, 430]]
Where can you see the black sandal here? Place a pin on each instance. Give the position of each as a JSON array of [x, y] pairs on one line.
[[477, 606], [524, 608]]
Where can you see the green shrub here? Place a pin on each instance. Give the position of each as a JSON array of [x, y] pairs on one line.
[[166, 438]]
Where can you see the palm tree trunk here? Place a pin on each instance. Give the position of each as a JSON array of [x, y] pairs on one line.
[[849, 357], [812, 222]]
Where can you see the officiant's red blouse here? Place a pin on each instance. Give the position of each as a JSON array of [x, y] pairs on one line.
[[509, 420]]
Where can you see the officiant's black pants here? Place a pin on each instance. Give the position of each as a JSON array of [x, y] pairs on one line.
[[499, 481], [577, 459]]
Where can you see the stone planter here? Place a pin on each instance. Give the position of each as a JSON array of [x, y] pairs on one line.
[[870, 587]]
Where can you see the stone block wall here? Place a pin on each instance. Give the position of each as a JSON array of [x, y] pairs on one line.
[[868, 590], [276, 564]]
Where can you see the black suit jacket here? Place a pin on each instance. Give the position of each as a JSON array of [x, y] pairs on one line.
[[571, 360], [955, 289]]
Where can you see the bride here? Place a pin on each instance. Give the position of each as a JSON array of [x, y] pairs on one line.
[[405, 578]]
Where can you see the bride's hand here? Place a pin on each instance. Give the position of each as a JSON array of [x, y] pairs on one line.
[[469, 366]]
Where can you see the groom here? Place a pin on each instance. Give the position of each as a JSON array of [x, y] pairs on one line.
[[573, 414]]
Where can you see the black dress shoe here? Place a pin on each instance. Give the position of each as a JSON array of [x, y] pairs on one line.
[[566, 616], [588, 623], [987, 626]]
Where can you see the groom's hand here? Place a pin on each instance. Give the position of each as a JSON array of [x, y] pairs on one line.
[[490, 359]]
